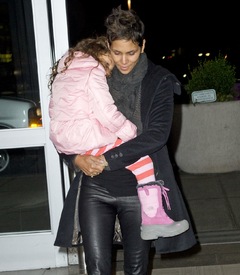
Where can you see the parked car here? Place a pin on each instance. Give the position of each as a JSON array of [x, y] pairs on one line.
[[17, 113]]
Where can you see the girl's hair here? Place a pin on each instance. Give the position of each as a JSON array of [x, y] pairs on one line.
[[95, 47], [124, 24]]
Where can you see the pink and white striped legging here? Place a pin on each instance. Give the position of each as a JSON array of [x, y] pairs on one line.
[[142, 169]]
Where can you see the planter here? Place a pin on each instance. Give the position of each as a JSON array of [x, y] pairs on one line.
[[205, 138]]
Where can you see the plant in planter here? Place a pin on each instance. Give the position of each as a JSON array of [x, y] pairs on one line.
[[217, 74], [205, 137]]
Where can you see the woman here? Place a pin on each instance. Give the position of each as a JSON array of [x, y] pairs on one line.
[[144, 93], [85, 120]]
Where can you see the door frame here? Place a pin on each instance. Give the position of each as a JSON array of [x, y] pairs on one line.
[[35, 250]]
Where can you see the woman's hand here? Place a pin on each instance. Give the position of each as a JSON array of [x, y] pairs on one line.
[[90, 165]]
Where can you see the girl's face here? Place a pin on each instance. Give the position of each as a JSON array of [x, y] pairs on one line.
[[125, 54], [108, 60]]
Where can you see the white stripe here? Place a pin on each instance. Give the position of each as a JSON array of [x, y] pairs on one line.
[[146, 180]]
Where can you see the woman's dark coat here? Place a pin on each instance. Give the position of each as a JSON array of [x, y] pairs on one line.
[[157, 103]]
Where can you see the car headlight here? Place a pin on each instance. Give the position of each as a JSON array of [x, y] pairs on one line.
[[35, 117]]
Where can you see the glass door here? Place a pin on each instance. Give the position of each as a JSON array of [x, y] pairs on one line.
[[32, 34]]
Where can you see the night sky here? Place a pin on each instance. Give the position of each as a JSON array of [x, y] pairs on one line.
[[169, 25]]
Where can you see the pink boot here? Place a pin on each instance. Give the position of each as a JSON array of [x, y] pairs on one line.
[[155, 222]]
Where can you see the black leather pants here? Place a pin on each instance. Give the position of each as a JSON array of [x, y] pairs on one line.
[[98, 211]]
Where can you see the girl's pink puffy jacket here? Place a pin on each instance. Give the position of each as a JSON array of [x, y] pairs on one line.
[[82, 112]]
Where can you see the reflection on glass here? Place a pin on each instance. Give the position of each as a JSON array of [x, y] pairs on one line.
[[19, 113], [23, 192], [19, 89]]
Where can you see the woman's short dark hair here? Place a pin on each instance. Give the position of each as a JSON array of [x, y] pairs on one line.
[[124, 24]]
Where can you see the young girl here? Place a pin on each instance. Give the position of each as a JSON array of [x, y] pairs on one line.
[[85, 120]]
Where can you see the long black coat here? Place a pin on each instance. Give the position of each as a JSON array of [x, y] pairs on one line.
[[157, 103]]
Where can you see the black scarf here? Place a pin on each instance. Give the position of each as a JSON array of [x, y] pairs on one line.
[[126, 90]]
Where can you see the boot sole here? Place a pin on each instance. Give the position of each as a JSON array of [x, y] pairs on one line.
[[153, 232]]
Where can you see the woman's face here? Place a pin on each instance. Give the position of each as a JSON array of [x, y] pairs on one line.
[[125, 54]]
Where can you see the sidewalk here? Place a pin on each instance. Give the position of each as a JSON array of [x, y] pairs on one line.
[[213, 201]]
